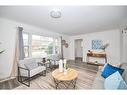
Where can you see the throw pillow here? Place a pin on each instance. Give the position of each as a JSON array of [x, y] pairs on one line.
[[109, 69], [115, 81]]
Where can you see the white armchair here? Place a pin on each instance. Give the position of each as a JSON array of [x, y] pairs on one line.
[[28, 68], [54, 58]]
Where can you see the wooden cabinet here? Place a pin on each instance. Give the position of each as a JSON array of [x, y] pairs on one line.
[[97, 55]]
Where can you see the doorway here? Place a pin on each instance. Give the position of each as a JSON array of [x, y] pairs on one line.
[[78, 50]]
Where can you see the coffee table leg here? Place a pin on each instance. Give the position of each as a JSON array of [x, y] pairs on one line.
[[66, 84], [56, 83], [75, 83]]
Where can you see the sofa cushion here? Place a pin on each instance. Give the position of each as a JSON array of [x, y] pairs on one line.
[[109, 69], [98, 81], [115, 81], [124, 75]]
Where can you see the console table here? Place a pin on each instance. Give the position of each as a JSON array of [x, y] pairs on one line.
[[97, 55]]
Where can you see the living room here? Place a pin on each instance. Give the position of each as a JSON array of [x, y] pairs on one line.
[[42, 32]]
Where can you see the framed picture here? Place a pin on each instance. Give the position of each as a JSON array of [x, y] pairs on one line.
[[96, 44]]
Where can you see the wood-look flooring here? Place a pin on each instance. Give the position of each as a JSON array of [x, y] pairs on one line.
[[86, 75]]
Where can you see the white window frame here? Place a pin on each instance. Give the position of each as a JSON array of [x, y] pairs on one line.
[[30, 43], [27, 45]]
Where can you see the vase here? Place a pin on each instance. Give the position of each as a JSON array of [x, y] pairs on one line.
[[65, 71], [61, 66]]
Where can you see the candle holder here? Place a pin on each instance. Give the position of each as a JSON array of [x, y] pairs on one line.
[[65, 67], [61, 65]]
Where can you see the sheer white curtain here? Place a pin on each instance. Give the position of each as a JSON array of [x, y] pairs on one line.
[[19, 51]]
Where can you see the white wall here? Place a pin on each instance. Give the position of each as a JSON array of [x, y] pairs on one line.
[[111, 36], [8, 30], [124, 55]]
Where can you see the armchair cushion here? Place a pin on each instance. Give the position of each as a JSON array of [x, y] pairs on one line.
[[37, 70], [21, 64], [31, 65], [33, 72]]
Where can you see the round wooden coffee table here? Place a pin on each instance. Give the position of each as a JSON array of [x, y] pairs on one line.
[[65, 80]]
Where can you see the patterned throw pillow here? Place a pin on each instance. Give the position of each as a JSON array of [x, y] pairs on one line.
[[115, 81]]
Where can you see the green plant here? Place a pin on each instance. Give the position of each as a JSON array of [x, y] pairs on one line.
[[2, 51], [66, 66], [96, 61]]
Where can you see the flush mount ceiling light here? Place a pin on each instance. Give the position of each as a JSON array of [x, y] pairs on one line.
[[55, 13]]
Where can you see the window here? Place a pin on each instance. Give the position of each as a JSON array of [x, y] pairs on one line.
[[42, 46], [26, 44], [39, 46]]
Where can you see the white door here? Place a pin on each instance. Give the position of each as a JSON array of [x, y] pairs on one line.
[[78, 49]]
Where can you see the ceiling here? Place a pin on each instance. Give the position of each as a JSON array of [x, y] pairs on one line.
[[75, 20]]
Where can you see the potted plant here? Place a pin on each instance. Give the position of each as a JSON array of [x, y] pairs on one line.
[[65, 68], [2, 51], [96, 62]]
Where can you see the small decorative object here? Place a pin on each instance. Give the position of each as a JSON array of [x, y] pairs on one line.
[[65, 71], [65, 61], [90, 51], [48, 60], [66, 45], [44, 56], [96, 62], [103, 47], [2, 50], [43, 60], [96, 44], [61, 66], [65, 67]]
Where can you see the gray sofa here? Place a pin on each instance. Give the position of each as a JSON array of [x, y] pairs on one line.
[[99, 80]]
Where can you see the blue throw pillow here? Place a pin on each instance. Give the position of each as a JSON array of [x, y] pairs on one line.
[[115, 81], [109, 69]]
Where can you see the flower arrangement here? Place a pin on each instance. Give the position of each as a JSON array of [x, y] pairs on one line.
[[2, 50], [105, 46], [66, 66]]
